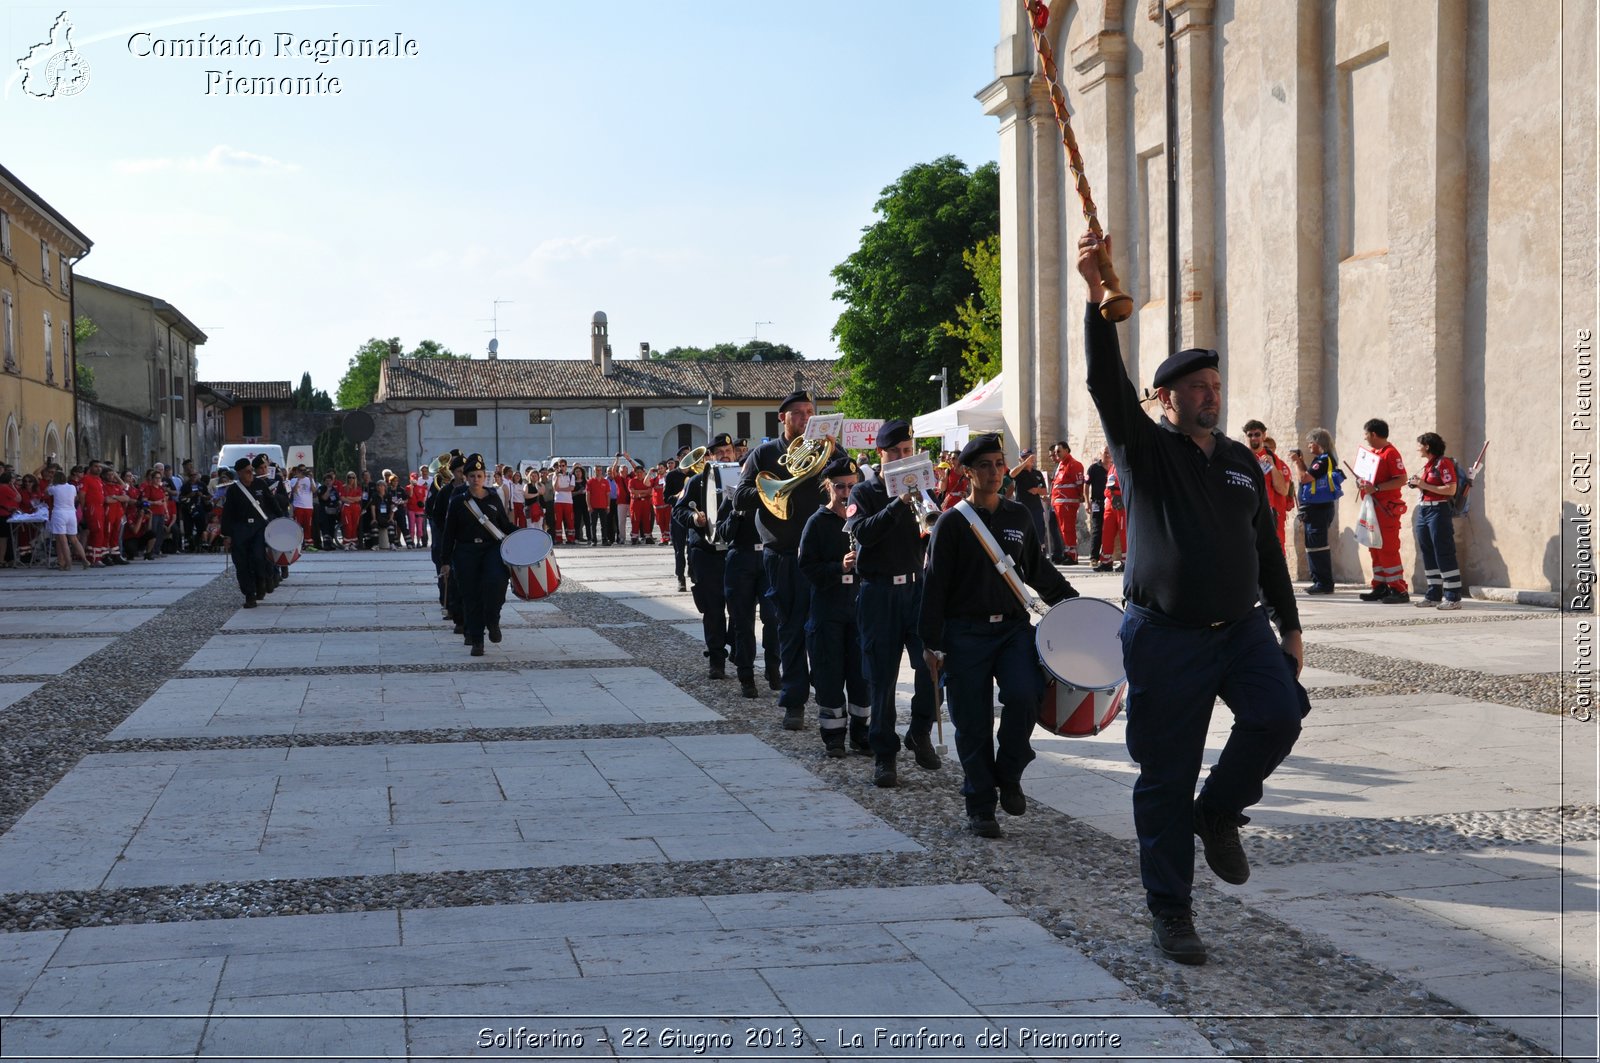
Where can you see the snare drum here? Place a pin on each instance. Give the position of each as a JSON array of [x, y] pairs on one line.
[[283, 537], [529, 555], [1082, 658]]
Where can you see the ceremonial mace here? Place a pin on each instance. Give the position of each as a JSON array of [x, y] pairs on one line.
[[1117, 304]]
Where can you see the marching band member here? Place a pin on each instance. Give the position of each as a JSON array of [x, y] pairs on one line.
[[247, 506], [971, 615], [707, 558], [744, 585], [890, 541], [780, 543], [829, 561], [473, 553], [438, 510]]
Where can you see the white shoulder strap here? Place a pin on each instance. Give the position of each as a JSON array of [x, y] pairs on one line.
[[1002, 561], [472, 507], [251, 497]]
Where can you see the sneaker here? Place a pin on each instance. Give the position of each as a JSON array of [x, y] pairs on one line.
[[1449, 605], [1219, 834], [794, 718], [921, 747], [984, 825], [1376, 594], [1120, 566], [884, 776], [1012, 799], [1396, 598], [1175, 936], [1426, 602]]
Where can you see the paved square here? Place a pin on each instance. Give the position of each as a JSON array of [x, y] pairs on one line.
[[343, 649], [1506, 647], [104, 597], [46, 656], [138, 819], [84, 621], [949, 958], [273, 614], [409, 701], [11, 693]]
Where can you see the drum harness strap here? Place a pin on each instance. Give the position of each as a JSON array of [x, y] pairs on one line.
[[252, 499], [1002, 561], [472, 507]]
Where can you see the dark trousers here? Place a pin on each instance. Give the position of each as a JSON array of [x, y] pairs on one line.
[[1436, 542], [979, 657], [744, 584], [1317, 519], [194, 525], [678, 546], [580, 516], [887, 614], [479, 576], [1051, 536], [1097, 526], [1175, 674], [249, 561], [833, 641], [709, 598], [790, 594]]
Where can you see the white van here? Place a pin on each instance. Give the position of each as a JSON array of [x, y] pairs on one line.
[[232, 452]]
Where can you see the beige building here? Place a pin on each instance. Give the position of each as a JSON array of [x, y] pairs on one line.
[[1381, 210], [38, 247]]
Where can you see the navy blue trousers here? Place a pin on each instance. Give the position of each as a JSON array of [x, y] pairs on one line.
[[1317, 518], [1175, 675], [979, 657], [679, 547], [834, 643], [1435, 526], [479, 576], [745, 586], [789, 591], [887, 614], [249, 561], [708, 566]]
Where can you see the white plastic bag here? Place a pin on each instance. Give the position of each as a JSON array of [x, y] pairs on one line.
[[1367, 533]]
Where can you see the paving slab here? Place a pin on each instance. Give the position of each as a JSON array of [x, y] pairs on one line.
[[232, 815], [105, 597], [326, 704], [11, 693], [46, 656], [274, 614], [1511, 647], [344, 649], [83, 621]]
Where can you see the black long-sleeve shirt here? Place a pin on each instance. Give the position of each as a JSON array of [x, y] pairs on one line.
[[780, 535], [823, 545], [694, 495], [461, 526], [963, 582], [1202, 544], [240, 519], [886, 529]]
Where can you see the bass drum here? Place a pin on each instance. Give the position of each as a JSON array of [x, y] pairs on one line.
[[1082, 659], [283, 537], [529, 555]]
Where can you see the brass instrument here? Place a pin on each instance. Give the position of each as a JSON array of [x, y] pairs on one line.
[[440, 468], [695, 461], [905, 478], [805, 459]]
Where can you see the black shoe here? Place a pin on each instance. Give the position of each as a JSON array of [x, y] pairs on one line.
[[794, 718], [682, 586], [983, 824], [1070, 559], [477, 649], [1175, 936], [1219, 834], [1316, 589], [494, 631], [774, 680], [747, 686], [1396, 598], [833, 748], [1376, 594], [717, 670], [1105, 567], [1120, 566], [249, 601], [884, 777], [1012, 799], [858, 740], [921, 747], [461, 627]]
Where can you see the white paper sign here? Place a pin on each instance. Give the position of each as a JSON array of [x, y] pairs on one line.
[[860, 433], [1366, 465], [827, 425], [298, 456], [909, 474], [956, 438]]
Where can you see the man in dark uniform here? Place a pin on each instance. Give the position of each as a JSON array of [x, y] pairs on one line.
[[266, 476], [889, 537], [1203, 554], [833, 639], [972, 616], [671, 488], [438, 509], [1095, 484], [706, 556], [472, 549], [246, 508], [745, 588], [780, 542]]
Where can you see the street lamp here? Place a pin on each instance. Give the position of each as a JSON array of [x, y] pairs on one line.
[[707, 402], [943, 377]]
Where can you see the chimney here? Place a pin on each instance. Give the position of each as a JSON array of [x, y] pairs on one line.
[[394, 353], [644, 352], [597, 338], [605, 360]]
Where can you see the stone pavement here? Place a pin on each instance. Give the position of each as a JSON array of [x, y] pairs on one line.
[[319, 829]]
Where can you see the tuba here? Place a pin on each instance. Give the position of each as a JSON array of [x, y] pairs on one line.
[[805, 459]]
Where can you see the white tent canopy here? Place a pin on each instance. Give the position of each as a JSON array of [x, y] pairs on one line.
[[978, 410]]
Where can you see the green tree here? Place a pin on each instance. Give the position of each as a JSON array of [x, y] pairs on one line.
[[734, 352], [308, 398], [332, 452], [906, 279], [359, 385], [83, 330], [977, 323]]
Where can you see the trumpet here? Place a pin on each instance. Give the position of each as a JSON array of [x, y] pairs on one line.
[[905, 478]]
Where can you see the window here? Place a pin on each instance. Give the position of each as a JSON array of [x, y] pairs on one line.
[[636, 419], [44, 261], [743, 424], [466, 418], [539, 416], [49, 350], [64, 282], [250, 420], [5, 234], [8, 332], [685, 436], [177, 389], [772, 426], [66, 357]]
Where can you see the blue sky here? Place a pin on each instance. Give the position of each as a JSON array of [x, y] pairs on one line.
[[689, 168]]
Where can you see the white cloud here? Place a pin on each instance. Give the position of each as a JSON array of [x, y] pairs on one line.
[[569, 249], [218, 159]]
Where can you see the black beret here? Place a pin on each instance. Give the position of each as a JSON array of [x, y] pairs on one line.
[[242, 463], [456, 462], [475, 463], [1182, 364], [844, 466], [795, 396], [741, 442], [978, 446], [892, 434], [261, 459], [721, 439]]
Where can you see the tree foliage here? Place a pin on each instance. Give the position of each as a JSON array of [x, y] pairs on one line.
[[307, 397], [359, 385], [735, 352], [83, 330], [906, 279], [332, 452], [977, 323]]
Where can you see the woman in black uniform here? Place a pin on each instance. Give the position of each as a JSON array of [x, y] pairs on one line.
[[473, 527]]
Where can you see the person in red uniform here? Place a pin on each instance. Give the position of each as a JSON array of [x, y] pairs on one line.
[[1066, 495], [598, 489], [639, 507], [1282, 503], [416, 513], [350, 511], [116, 495], [1273, 471], [1388, 571], [1114, 532], [658, 499], [93, 499]]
